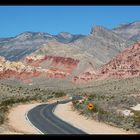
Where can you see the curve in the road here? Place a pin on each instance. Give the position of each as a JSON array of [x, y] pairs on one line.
[[42, 117]]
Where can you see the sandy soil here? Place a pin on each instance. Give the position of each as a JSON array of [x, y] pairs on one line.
[[17, 123], [17, 119], [65, 112], [137, 107]]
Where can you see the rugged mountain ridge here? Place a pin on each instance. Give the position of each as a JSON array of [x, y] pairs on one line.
[[100, 38], [103, 44], [130, 31], [18, 47], [55, 55], [124, 65], [65, 56]]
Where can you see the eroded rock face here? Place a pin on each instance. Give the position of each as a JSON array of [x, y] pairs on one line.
[[19, 75], [126, 64], [56, 63], [87, 75], [18, 70], [60, 67]]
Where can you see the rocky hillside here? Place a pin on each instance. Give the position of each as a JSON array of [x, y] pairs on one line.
[[15, 48], [65, 37], [67, 56], [65, 64], [25, 73], [57, 56], [126, 64], [130, 31], [10, 69], [103, 44], [48, 62]]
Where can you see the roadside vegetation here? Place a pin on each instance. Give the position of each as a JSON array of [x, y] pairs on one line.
[[14, 93], [111, 99]]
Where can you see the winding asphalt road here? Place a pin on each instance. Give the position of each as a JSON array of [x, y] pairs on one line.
[[43, 118]]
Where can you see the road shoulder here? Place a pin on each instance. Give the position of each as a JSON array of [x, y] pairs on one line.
[[17, 122], [65, 112]]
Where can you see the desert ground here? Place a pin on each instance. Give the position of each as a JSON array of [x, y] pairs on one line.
[[65, 112], [17, 123]]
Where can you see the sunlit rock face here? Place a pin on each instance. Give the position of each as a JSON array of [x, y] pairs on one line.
[[59, 67], [65, 65], [101, 54], [129, 31], [18, 70], [126, 64]]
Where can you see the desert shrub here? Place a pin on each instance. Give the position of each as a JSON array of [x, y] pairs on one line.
[[117, 120], [7, 102], [1, 117], [3, 110], [104, 110], [59, 94], [136, 118]]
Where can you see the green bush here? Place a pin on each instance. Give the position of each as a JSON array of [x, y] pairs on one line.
[[59, 94], [136, 118], [103, 111], [3, 110]]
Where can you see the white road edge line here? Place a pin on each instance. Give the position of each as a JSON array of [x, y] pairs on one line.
[[27, 119]]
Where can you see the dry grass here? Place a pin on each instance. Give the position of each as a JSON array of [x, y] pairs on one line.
[[110, 96], [14, 93]]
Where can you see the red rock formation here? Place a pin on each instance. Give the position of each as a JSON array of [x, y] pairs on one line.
[[19, 75], [56, 75], [84, 77], [126, 64], [59, 67], [62, 64]]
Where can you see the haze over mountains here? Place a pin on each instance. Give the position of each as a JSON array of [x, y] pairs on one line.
[[67, 55]]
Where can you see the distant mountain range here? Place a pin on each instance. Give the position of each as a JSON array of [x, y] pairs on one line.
[[130, 31], [17, 47], [66, 55]]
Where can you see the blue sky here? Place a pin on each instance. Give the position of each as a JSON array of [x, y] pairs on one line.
[[55, 19]]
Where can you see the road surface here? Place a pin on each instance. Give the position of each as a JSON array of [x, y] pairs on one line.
[[42, 118]]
